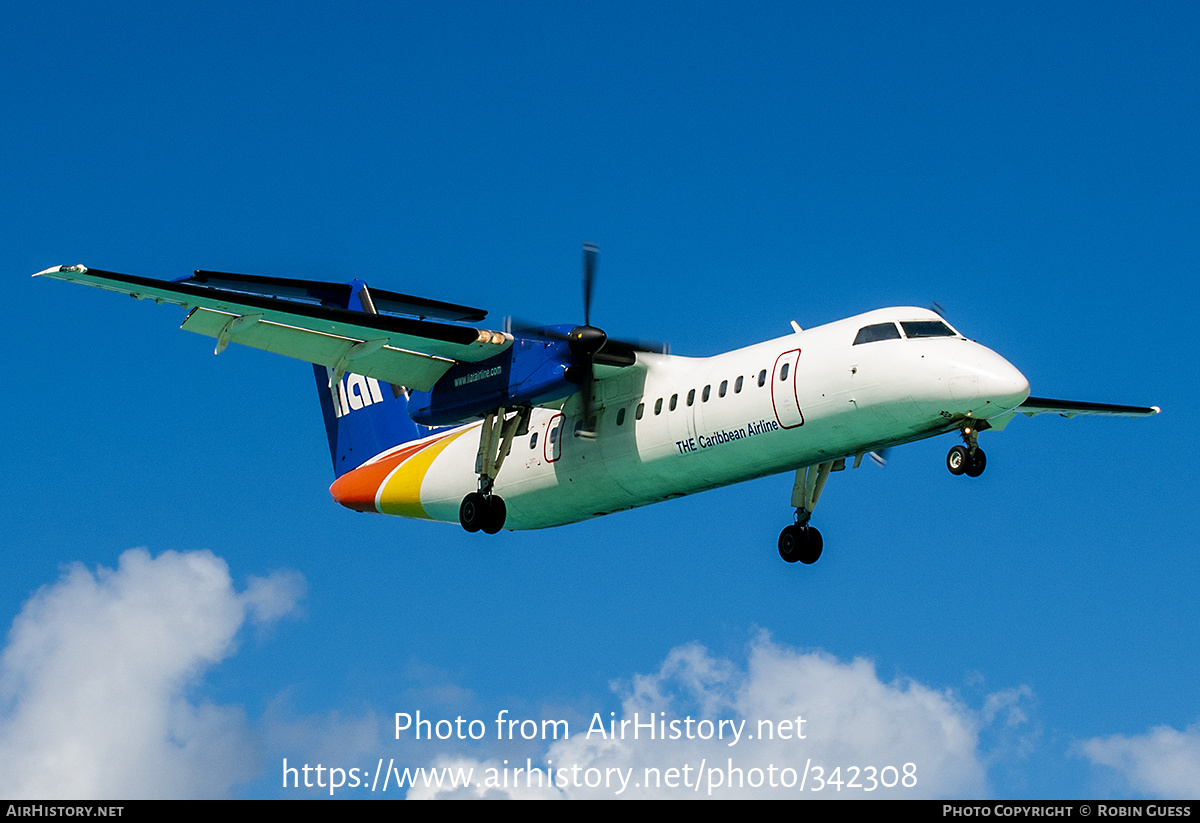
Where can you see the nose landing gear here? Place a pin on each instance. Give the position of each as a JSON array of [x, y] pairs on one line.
[[967, 459]]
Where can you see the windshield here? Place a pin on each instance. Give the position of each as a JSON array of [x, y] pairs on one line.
[[879, 331], [927, 328]]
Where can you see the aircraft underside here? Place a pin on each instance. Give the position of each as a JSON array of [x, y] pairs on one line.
[[538, 470]]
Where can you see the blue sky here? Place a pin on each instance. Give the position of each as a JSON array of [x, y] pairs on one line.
[[1030, 166]]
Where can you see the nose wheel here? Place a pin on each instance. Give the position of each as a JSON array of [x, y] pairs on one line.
[[968, 458], [960, 461]]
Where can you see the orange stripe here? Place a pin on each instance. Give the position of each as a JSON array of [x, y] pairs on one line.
[[356, 489]]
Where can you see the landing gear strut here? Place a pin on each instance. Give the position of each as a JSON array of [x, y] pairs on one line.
[[481, 510], [800, 541], [967, 459]]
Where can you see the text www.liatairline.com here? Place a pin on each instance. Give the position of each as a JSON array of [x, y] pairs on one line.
[[706, 777]]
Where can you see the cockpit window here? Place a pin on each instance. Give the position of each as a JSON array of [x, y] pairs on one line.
[[927, 328], [880, 331]]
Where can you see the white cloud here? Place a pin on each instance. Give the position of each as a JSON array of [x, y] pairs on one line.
[[1162, 762], [94, 680], [851, 719]]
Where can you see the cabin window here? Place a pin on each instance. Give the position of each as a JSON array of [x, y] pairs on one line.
[[691, 397], [674, 401], [621, 416], [762, 378], [724, 388], [578, 428], [533, 440], [880, 331], [658, 406], [783, 373], [737, 386], [641, 409], [554, 433], [704, 394], [926, 328]]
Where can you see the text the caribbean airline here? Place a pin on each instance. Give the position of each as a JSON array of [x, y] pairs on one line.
[[429, 416]]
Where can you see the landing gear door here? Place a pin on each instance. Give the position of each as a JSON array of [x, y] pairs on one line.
[[784, 395]]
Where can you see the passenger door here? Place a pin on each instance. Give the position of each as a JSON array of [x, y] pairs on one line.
[[784, 395]]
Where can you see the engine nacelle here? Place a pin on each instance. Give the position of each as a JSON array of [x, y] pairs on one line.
[[533, 371]]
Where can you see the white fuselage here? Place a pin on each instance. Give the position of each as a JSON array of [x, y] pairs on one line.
[[671, 426]]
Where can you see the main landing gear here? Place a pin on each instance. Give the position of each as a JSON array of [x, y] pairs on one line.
[[967, 459], [481, 510], [800, 541]]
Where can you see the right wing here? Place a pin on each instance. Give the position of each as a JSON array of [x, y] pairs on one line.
[[305, 319], [1069, 408]]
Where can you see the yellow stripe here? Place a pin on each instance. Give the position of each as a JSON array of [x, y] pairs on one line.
[[401, 494]]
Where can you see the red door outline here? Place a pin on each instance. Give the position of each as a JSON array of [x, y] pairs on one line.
[[785, 398], [552, 447]]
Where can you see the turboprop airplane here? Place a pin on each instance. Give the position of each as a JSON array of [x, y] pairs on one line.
[[430, 416]]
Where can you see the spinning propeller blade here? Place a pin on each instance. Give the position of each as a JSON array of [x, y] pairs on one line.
[[590, 252]]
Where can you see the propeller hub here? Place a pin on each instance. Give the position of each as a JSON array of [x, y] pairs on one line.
[[585, 341]]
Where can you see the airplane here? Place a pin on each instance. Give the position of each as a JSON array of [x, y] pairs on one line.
[[430, 416]]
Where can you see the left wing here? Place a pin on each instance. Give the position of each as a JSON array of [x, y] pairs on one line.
[[305, 319], [1069, 408]]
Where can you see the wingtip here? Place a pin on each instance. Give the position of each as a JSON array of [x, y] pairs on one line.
[[53, 270]]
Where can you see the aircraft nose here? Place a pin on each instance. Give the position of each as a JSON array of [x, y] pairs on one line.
[[991, 379], [1006, 387]]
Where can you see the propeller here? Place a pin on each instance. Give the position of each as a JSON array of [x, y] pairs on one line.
[[586, 341], [588, 344]]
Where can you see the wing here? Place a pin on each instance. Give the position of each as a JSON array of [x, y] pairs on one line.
[[1069, 408], [305, 319]]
